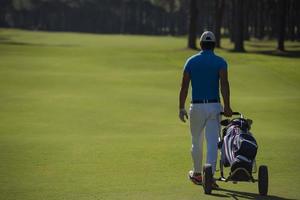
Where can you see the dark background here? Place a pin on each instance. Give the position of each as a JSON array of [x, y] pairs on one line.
[[238, 19]]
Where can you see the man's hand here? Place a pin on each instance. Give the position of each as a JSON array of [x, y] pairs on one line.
[[227, 111], [183, 114]]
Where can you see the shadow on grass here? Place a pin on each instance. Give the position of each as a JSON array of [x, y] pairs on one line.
[[261, 45], [245, 195], [258, 45], [287, 54], [8, 41]]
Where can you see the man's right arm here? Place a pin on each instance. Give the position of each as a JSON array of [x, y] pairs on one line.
[[225, 90], [183, 94]]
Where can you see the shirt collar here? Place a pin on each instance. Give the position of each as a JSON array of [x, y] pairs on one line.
[[206, 52]]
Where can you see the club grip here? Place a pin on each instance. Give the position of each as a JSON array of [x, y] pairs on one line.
[[233, 113]]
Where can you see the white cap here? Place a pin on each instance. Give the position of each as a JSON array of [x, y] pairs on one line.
[[207, 36]]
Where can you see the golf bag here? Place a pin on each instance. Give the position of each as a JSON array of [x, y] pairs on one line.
[[238, 149]]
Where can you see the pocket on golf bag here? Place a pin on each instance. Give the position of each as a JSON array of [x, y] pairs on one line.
[[224, 159], [246, 146]]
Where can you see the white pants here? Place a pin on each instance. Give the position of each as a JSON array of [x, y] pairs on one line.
[[205, 116]]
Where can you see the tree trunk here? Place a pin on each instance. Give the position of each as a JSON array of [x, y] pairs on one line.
[[297, 23], [123, 17], [246, 20], [281, 24], [239, 27], [255, 20], [291, 20], [219, 6], [171, 15], [261, 19], [232, 20], [193, 13]]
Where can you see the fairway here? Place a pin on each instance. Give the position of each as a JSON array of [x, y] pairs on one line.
[[85, 116]]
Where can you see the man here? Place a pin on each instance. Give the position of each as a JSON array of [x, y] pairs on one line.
[[205, 70]]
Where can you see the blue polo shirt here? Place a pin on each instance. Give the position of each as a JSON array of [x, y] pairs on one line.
[[203, 69]]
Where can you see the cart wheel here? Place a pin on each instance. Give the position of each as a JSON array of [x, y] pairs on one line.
[[263, 180], [207, 178]]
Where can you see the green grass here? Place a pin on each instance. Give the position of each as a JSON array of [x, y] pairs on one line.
[[86, 116]]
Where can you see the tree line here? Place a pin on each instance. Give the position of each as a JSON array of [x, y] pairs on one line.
[[244, 19], [238, 19]]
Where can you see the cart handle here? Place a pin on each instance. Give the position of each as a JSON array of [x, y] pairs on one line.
[[233, 113]]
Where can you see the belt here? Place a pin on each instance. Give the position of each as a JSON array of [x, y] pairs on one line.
[[206, 101]]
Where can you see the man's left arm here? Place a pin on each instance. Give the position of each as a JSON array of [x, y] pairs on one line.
[[182, 96]]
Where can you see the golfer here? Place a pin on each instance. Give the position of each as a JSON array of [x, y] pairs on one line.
[[205, 71]]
